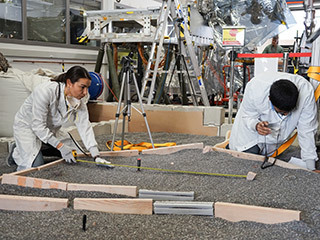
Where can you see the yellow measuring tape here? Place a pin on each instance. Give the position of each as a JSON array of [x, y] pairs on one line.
[[170, 170]]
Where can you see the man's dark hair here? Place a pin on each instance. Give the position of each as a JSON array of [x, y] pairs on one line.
[[284, 95]]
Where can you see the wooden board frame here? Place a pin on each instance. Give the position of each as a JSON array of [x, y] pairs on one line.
[[112, 205], [239, 212], [27, 203]]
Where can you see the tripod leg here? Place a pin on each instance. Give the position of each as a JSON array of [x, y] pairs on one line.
[[127, 100], [118, 111], [142, 110]]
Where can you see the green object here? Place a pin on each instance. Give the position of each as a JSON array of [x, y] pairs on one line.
[[97, 68], [113, 73]]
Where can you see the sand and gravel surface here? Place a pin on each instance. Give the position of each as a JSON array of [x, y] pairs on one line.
[[273, 187]]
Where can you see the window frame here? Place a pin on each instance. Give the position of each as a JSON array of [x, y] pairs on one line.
[[25, 40]]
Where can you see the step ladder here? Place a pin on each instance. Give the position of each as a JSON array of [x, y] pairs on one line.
[[172, 8]]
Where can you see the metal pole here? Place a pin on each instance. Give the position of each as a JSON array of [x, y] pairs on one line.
[[285, 62], [230, 107]]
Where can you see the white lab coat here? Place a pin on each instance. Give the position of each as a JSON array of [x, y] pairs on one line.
[[42, 115], [257, 107]]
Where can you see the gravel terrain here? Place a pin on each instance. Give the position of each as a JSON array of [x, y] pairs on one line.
[[273, 187]]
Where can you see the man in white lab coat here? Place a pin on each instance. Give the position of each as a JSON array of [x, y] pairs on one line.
[[49, 106], [274, 104]]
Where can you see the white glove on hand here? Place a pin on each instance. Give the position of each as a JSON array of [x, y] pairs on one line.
[[100, 160], [66, 153]]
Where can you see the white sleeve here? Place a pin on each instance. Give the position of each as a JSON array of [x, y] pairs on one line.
[[85, 130], [42, 97], [250, 115], [307, 128]]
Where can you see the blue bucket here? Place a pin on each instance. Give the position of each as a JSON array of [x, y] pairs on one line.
[[96, 86]]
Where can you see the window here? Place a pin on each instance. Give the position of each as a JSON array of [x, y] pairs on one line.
[[50, 22], [46, 20], [10, 19], [78, 20]]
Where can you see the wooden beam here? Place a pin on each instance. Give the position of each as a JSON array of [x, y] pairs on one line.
[[50, 164], [255, 157], [122, 153], [190, 122], [24, 203], [173, 149], [25, 171], [240, 212], [122, 190], [112, 205], [33, 182]]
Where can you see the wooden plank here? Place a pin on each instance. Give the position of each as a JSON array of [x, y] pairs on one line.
[[122, 153], [50, 164], [190, 122], [173, 149], [122, 190], [255, 157], [111, 205], [24, 203], [33, 182], [240, 212], [25, 171]]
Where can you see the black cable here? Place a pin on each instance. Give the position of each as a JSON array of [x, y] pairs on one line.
[[78, 146]]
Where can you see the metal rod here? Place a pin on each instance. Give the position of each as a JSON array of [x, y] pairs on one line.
[[230, 107]]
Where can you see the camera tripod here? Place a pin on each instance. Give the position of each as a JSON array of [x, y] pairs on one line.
[[128, 75]]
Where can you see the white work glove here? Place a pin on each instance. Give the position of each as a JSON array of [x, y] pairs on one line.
[[100, 160], [66, 153]]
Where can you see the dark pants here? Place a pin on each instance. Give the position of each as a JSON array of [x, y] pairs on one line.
[[255, 149], [46, 150]]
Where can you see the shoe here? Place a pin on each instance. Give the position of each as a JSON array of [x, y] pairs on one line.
[[10, 161]]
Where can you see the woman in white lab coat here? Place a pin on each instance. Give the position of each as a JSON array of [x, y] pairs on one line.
[[49, 106]]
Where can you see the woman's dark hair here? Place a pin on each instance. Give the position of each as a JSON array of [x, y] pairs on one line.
[[284, 95], [74, 74]]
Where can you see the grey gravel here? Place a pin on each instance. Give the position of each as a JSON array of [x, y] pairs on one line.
[[273, 187]]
